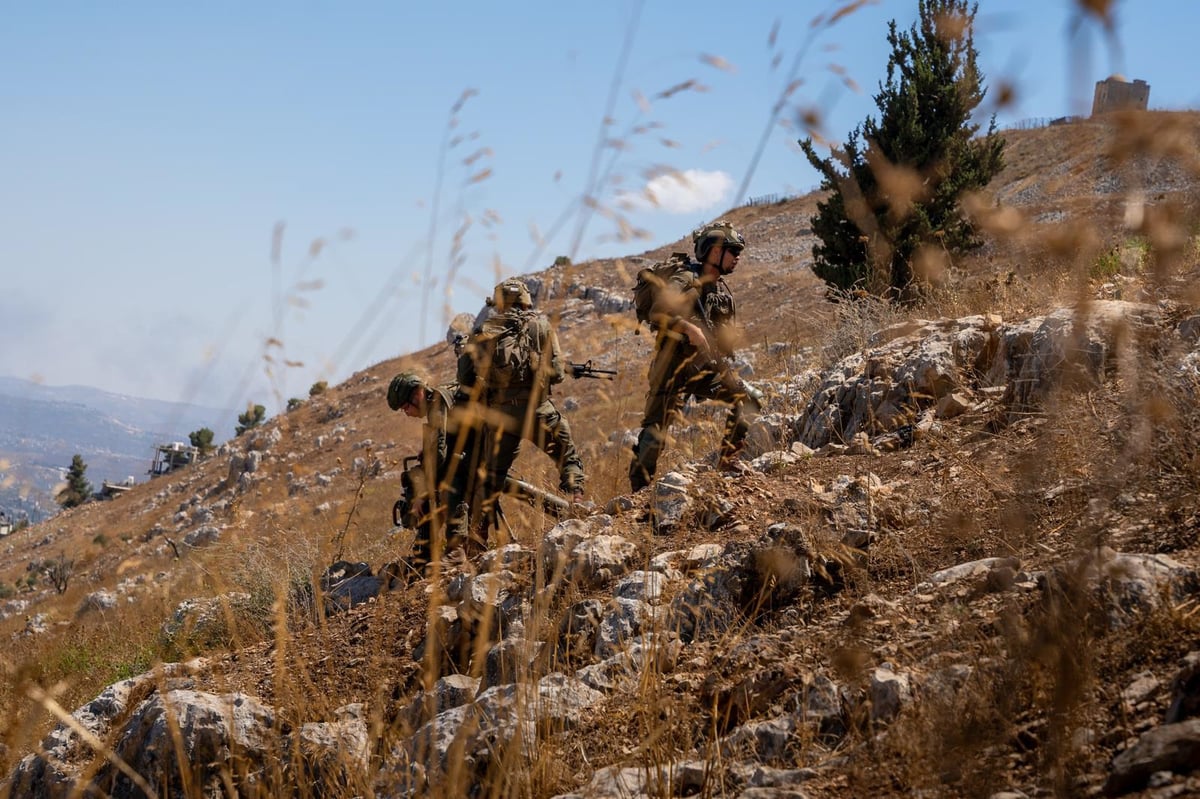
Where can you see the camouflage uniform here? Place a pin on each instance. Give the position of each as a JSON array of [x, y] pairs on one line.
[[523, 410], [680, 370], [443, 459]]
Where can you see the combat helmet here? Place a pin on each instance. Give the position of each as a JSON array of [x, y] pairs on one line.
[[703, 238], [401, 389], [511, 293]]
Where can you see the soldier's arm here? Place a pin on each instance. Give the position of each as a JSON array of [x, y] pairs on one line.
[[466, 373], [438, 414], [555, 372], [438, 426], [674, 311]]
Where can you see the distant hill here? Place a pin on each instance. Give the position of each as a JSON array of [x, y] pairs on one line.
[[43, 427]]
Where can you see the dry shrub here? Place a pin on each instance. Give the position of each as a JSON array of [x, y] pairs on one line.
[[858, 316], [1011, 716]]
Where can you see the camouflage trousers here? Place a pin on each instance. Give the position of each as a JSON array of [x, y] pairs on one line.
[[674, 377], [546, 428], [446, 524]]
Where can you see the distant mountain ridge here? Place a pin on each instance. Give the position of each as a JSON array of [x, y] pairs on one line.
[[43, 427]]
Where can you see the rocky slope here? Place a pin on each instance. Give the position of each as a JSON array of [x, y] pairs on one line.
[[962, 558]]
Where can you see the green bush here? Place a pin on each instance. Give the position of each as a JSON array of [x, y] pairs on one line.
[[252, 418], [1127, 258], [75, 659], [140, 661], [202, 440], [317, 388], [294, 403]]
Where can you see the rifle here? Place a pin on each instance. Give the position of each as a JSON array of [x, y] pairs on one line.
[[586, 369], [551, 503], [400, 510], [513, 487]]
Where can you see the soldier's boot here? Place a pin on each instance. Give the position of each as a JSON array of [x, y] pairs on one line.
[[645, 458], [477, 542], [458, 528], [422, 551], [580, 507], [402, 573], [638, 479]]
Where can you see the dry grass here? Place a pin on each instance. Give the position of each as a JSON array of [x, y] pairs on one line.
[[1043, 676]]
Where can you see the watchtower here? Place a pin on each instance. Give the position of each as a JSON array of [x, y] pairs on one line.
[[169, 457], [1115, 93]]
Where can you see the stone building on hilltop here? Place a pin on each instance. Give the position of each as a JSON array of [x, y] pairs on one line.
[[1115, 93]]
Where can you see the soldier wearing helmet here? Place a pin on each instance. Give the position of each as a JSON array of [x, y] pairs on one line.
[[440, 464], [508, 368], [695, 325], [408, 393], [512, 293]]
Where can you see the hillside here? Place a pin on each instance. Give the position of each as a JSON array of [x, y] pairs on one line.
[[43, 427], [1002, 598]]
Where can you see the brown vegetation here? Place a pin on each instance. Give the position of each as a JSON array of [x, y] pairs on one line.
[[1113, 464]]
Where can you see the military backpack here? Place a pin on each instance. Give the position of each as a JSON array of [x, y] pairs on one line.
[[650, 283], [510, 356]]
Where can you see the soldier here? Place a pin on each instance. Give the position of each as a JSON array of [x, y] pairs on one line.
[[443, 465], [509, 366], [694, 319]]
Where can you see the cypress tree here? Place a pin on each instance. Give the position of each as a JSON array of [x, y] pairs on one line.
[[77, 490], [896, 183]]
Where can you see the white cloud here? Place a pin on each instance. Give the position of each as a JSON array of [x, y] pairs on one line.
[[681, 192]]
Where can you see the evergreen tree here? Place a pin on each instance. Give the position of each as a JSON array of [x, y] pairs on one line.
[[896, 183], [77, 490], [252, 418], [202, 440]]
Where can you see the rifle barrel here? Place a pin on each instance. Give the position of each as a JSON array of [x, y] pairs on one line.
[[551, 503]]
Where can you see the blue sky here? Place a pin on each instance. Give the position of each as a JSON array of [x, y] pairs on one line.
[[190, 188]]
